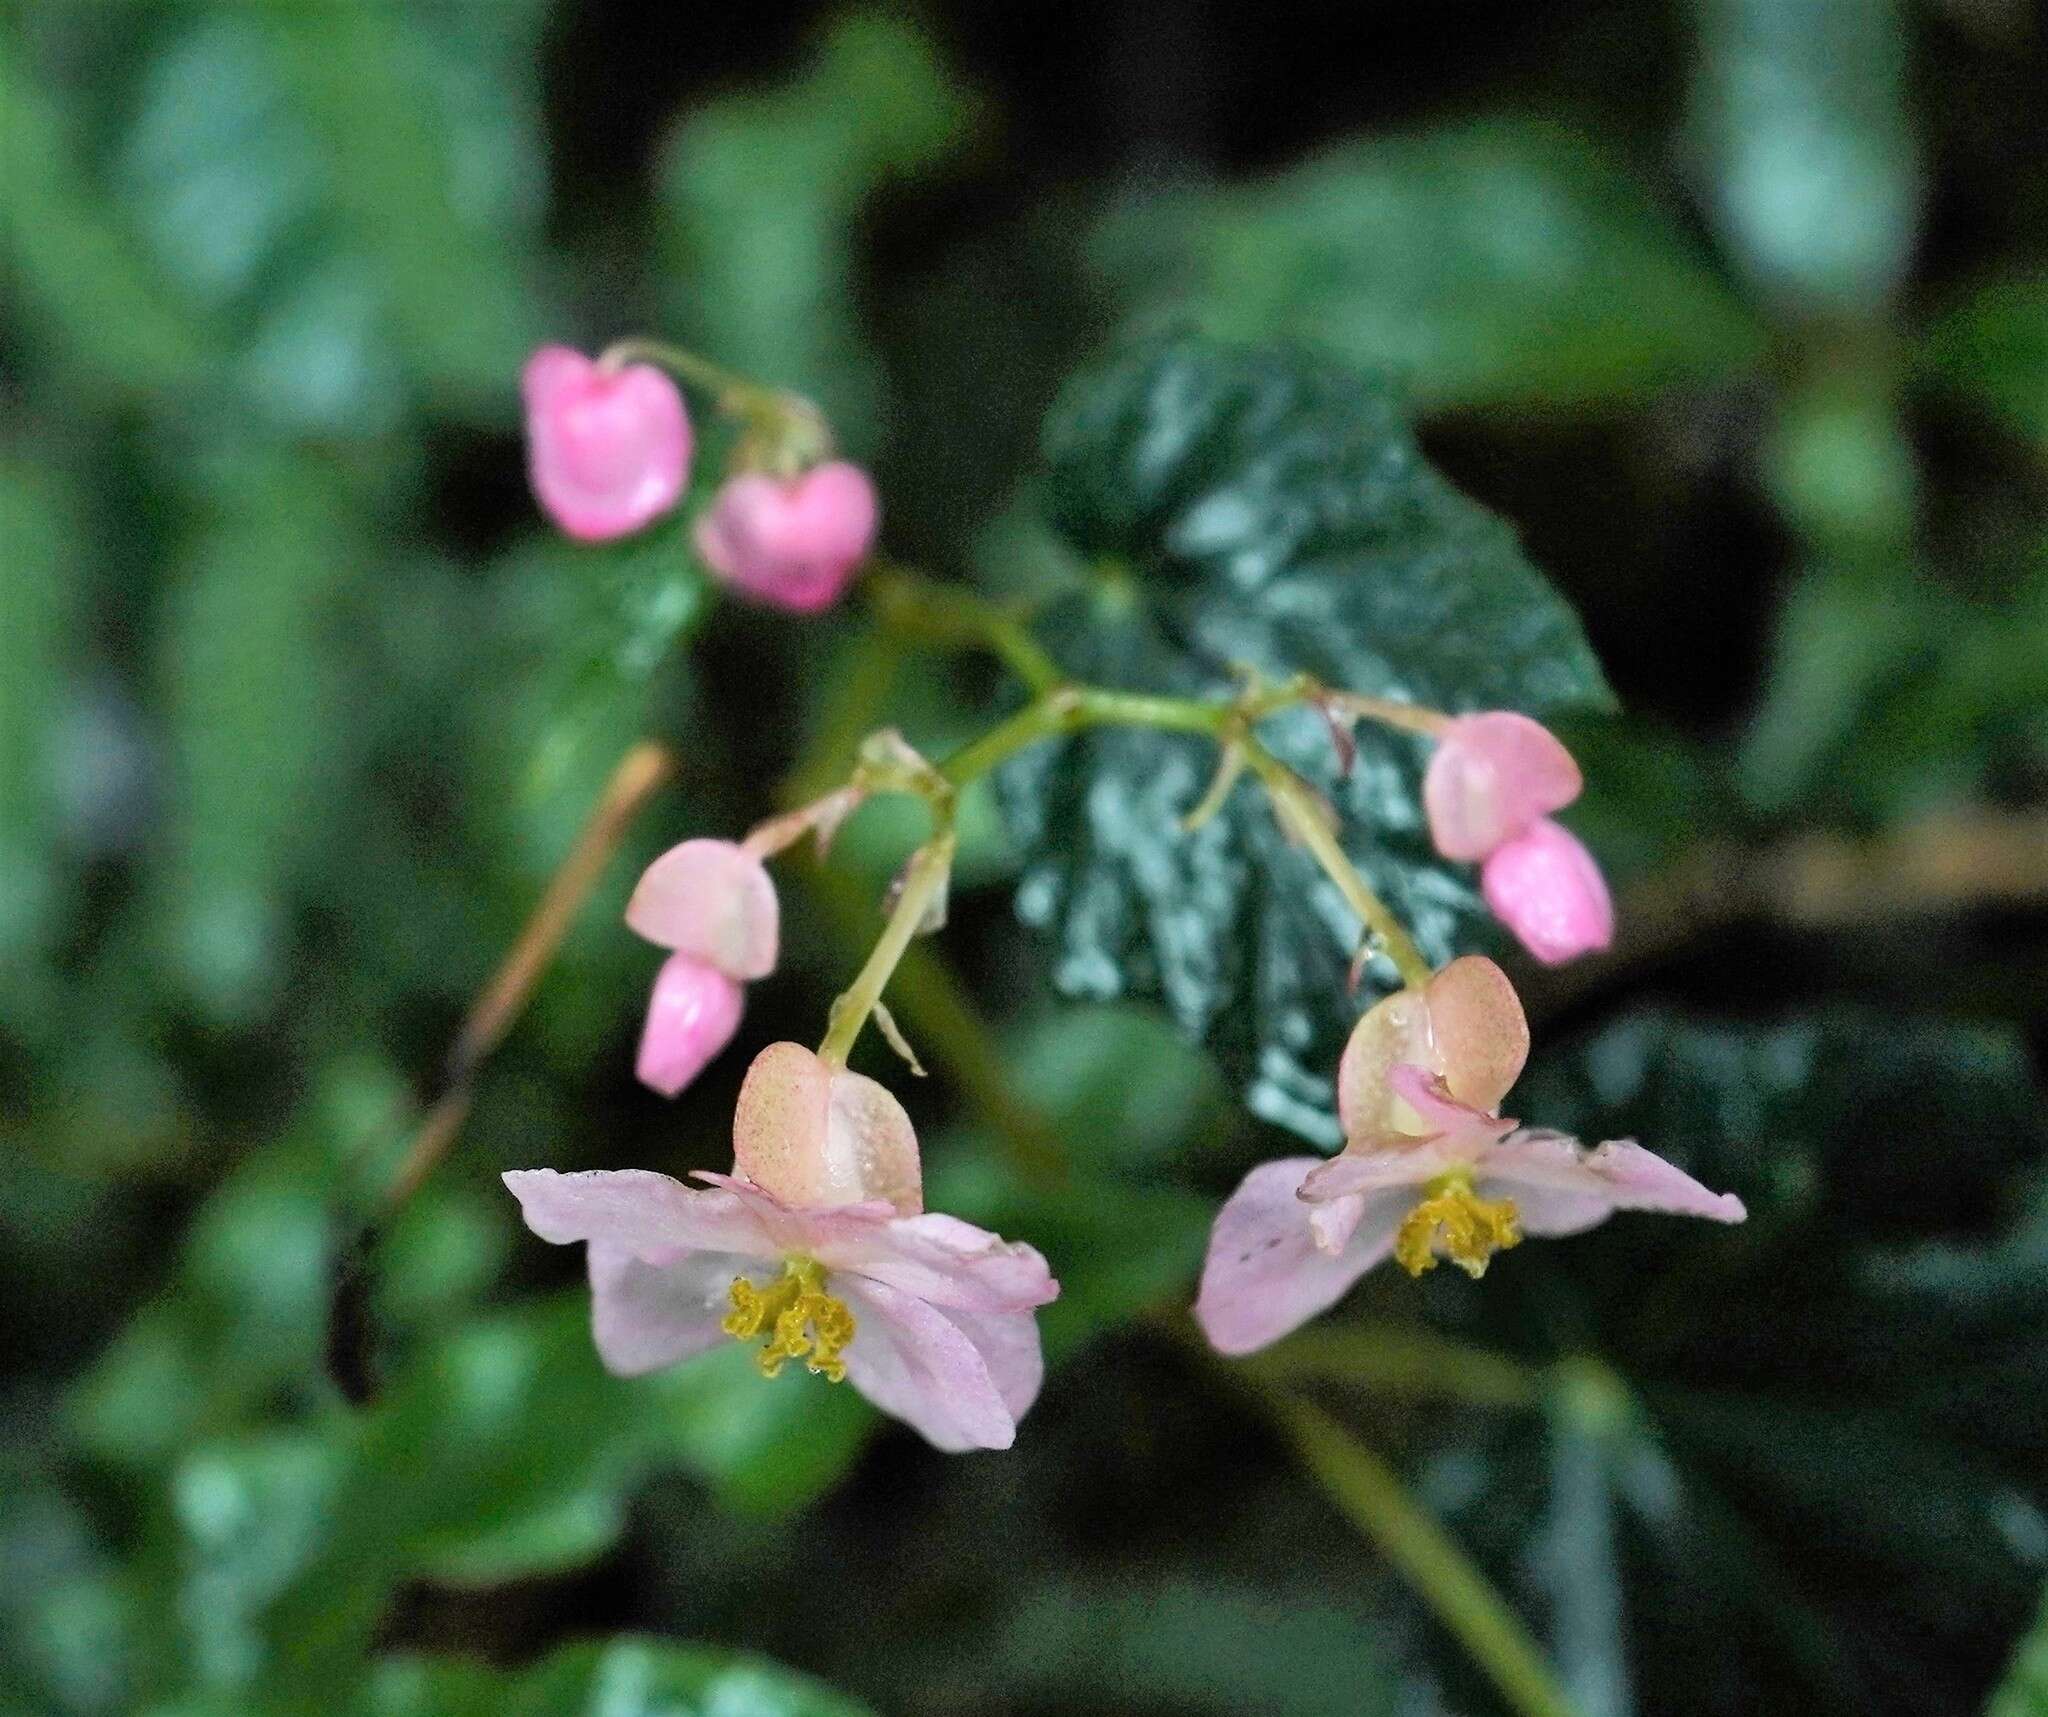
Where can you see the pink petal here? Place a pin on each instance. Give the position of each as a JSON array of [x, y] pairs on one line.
[[1009, 1347], [638, 1211], [1479, 1029], [1547, 889], [791, 543], [1264, 1275], [608, 451], [945, 1262], [1490, 778], [691, 1017], [1458, 1125], [1395, 1029], [914, 1362], [1370, 1169], [817, 1136], [645, 1315], [1619, 1175], [713, 900]]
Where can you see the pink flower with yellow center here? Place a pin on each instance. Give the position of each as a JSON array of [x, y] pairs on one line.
[[1430, 1169], [818, 1247]]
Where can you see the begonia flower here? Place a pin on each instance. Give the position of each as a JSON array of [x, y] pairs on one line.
[[817, 1246], [713, 905], [1490, 778], [1430, 1169], [791, 542], [608, 449]]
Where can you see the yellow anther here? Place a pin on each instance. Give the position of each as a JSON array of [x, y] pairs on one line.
[[804, 1322], [1469, 1229]]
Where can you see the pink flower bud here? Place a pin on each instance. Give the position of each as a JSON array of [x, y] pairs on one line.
[[1491, 776], [712, 900], [692, 1015], [816, 1137], [793, 544], [1547, 889], [608, 450]]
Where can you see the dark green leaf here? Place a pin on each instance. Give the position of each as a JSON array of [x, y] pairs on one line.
[[1490, 264], [1251, 507], [622, 1677], [1992, 347], [1800, 112], [2024, 1691]]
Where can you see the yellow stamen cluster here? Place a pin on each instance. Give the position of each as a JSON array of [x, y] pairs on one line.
[[802, 1320], [1469, 1229]]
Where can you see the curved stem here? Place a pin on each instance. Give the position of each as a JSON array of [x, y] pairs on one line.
[[1371, 1496], [936, 613], [698, 372], [1304, 815], [923, 882]]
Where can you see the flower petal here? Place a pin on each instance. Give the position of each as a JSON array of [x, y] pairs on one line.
[[646, 1314], [945, 1262], [636, 1210], [1481, 1033], [1264, 1275], [1377, 1168], [1009, 1346], [1619, 1175], [914, 1362], [713, 900]]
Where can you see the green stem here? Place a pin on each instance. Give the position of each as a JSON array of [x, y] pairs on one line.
[[1302, 812], [922, 882], [1411, 1362], [936, 613], [1371, 1496], [699, 372], [1070, 709]]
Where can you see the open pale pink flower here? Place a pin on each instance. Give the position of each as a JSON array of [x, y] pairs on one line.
[[1429, 1169], [1491, 776], [793, 543], [713, 904], [608, 449], [691, 1017], [818, 1246], [1546, 888]]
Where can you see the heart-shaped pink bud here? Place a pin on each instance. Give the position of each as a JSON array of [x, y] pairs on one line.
[[791, 543], [815, 1136], [1547, 889], [714, 901], [608, 450], [1490, 777], [692, 1015]]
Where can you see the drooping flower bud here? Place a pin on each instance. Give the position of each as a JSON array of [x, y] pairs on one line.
[[791, 543], [1491, 777], [817, 1136], [1547, 889], [608, 450], [714, 901], [691, 1017]]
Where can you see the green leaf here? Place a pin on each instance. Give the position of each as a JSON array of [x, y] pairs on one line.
[[762, 194], [1800, 112], [1244, 506], [248, 658], [622, 1677], [1497, 263], [79, 275], [2024, 1691], [1992, 347], [38, 572]]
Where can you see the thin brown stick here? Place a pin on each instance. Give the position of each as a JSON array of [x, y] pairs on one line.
[[639, 775]]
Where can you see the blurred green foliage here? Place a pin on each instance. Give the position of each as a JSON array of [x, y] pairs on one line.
[[300, 706]]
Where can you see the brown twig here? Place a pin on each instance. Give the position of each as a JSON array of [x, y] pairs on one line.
[[639, 775]]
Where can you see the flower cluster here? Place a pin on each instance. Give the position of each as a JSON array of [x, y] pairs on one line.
[[817, 1247], [609, 446]]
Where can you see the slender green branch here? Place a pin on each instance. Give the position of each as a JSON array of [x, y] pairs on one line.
[[699, 372], [1371, 1496], [924, 882], [1410, 1361], [1305, 815], [1070, 709], [936, 613]]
